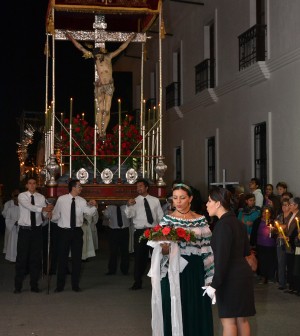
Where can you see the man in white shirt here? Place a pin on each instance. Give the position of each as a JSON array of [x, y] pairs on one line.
[[118, 238], [68, 213], [254, 188], [137, 210], [29, 247]]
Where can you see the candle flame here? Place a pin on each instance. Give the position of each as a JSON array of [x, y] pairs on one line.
[[282, 233]]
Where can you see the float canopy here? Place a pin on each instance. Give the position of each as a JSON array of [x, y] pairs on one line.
[[120, 15]]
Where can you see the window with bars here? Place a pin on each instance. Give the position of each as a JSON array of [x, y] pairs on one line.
[[178, 167], [211, 160], [205, 75], [260, 152], [252, 46], [172, 95]]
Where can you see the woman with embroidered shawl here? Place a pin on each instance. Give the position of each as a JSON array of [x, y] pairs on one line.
[[197, 256]]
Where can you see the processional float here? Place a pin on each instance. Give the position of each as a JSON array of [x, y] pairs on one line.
[[102, 21]]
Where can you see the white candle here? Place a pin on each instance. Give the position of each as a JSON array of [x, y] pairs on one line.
[[120, 111], [297, 221], [71, 110]]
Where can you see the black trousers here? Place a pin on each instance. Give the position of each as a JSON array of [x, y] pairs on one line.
[[53, 250], [118, 240], [69, 239], [290, 259], [141, 256], [29, 256]]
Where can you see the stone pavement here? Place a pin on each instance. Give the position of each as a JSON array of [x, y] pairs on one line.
[[107, 307]]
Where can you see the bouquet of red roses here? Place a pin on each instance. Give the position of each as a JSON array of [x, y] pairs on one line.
[[164, 233]]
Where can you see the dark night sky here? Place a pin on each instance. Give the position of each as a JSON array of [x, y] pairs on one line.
[[23, 78]]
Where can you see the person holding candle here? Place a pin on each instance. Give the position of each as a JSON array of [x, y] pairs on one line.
[[282, 220], [275, 204], [232, 282], [291, 233], [104, 85], [262, 238]]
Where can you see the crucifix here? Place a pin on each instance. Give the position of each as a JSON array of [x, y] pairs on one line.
[[224, 183], [104, 85]]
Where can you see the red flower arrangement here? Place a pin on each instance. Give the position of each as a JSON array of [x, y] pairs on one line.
[[83, 135], [159, 232]]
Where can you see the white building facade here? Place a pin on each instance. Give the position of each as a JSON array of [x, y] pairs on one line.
[[231, 89], [231, 70]]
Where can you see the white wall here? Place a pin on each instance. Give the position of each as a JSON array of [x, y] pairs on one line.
[[241, 106]]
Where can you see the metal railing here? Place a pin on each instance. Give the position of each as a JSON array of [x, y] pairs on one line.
[[173, 95], [252, 46], [205, 75]]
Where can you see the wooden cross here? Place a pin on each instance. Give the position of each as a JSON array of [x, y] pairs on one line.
[[224, 183]]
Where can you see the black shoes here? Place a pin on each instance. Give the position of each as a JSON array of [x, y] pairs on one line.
[[76, 289], [17, 291], [58, 290], [113, 273]]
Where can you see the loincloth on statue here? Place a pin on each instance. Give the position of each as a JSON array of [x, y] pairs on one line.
[[108, 89]]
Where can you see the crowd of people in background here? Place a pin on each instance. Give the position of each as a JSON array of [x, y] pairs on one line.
[[268, 214], [264, 220], [272, 219]]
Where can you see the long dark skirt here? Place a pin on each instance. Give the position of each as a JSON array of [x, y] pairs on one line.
[[196, 308], [267, 261]]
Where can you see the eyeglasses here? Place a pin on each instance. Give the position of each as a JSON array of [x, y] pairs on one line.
[[292, 204], [78, 186]]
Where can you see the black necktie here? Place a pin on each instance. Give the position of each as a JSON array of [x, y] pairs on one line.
[[119, 216], [32, 214], [148, 211], [73, 214]]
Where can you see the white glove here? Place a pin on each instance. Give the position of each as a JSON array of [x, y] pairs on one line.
[[211, 292]]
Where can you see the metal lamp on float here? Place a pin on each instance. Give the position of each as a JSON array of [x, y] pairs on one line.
[[52, 168], [160, 170]]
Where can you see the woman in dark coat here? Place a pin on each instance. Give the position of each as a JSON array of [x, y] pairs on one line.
[[233, 279]]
